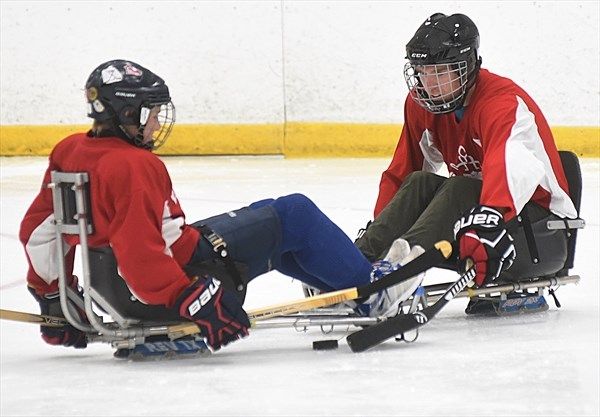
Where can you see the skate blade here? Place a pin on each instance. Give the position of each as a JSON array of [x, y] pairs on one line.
[[164, 350]]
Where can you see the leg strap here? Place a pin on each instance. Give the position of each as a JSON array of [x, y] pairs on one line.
[[529, 236], [220, 247]]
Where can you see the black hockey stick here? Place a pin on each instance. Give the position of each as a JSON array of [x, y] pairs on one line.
[[371, 336]]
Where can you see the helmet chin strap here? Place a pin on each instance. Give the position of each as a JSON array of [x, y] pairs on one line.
[[468, 95], [137, 139], [470, 87], [110, 128]]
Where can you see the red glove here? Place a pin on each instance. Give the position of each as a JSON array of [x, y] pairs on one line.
[[482, 236], [216, 311]]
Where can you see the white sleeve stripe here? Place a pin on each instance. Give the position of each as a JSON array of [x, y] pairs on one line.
[[433, 160], [528, 165], [41, 248], [171, 228]]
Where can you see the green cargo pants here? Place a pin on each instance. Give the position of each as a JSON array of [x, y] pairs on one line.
[[424, 211]]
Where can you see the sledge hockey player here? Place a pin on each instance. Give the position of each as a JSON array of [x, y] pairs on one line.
[[503, 163], [163, 260]]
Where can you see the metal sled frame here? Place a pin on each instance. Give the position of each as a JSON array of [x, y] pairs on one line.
[[572, 170], [432, 293], [70, 194], [72, 216]]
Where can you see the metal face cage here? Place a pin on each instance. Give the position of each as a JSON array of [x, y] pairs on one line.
[[438, 88]]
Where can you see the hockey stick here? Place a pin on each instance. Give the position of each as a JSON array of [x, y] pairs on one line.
[[371, 336], [50, 321], [429, 259]]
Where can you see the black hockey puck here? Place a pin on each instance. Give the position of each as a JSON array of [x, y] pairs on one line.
[[325, 344]]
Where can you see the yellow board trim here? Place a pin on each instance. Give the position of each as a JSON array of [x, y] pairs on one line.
[[340, 139], [583, 140], [293, 139], [234, 139]]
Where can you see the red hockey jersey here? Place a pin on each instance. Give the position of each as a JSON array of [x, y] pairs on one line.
[[503, 139], [134, 210]]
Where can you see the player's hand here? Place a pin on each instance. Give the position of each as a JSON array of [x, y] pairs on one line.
[[482, 236], [216, 311], [66, 335]]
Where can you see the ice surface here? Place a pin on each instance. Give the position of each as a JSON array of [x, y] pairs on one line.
[[540, 364]]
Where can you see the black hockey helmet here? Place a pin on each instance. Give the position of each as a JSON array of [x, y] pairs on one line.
[[449, 44], [123, 93]]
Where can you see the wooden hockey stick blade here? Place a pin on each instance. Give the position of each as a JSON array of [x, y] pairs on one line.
[[429, 259], [49, 321], [373, 335]]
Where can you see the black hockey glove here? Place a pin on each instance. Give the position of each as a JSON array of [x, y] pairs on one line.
[[482, 236], [66, 335], [216, 311]]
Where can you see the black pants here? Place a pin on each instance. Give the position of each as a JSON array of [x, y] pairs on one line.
[[427, 205]]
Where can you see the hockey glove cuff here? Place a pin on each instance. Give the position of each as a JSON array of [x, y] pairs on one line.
[[482, 236], [216, 311]]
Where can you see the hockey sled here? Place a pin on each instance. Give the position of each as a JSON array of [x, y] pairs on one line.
[[116, 316], [72, 215], [546, 256], [520, 292]]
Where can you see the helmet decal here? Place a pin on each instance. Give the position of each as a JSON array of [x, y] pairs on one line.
[[111, 75], [92, 93], [98, 106], [131, 70]]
